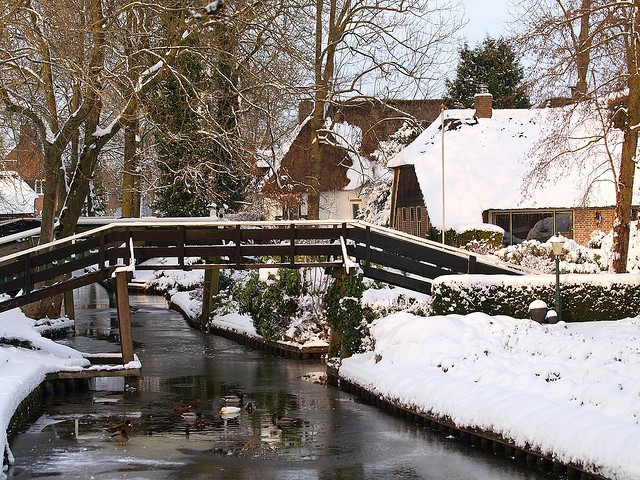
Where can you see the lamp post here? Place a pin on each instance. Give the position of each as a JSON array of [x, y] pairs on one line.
[[557, 245], [442, 129]]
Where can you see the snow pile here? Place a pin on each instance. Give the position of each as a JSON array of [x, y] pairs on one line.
[[170, 281], [567, 390]]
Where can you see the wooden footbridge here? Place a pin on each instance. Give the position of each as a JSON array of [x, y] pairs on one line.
[[115, 249]]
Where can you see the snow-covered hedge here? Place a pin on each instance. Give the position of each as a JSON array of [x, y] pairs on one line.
[[584, 297]]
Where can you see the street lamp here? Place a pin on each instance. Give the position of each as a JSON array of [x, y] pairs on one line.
[[557, 245]]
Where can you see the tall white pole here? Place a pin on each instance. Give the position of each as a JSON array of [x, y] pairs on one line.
[[442, 128]]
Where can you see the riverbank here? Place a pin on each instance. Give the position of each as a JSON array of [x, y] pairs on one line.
[[568, 392], [240, 329]]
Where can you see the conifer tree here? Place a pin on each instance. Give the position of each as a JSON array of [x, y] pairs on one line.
[[180, 147], [492, 64]]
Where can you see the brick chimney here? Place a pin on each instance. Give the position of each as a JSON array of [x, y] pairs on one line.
[[483, 102]]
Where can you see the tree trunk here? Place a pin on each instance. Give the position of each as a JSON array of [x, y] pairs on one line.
[[583, 55], [131, 172], [624, 193]]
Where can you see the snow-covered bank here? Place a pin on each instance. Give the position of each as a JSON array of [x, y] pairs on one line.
[[191, 306], [25, 359], [23, 368], [568, 390]]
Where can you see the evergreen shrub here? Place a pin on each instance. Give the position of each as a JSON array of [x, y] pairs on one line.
[[343, 307], [270, 304], [479, 240]]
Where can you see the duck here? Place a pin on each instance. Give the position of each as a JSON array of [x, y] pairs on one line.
[[121, 437], [229, 411], [181, 408], [190, 417], [284, 421], [250, 407], [192, 402], [117, 427], [198, 423], [233, 399]]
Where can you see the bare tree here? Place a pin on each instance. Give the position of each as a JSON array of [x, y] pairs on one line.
[[593, 45], [66, 69], [379, 48]]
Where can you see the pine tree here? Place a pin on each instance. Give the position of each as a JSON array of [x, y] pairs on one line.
[[492, 64], [180, 148]]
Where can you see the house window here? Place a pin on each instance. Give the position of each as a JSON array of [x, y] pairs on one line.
[[404, 219], [419, 223], [355, 209], [536, 225], [39, 187]]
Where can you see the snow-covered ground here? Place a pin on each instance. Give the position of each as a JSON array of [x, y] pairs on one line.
[[567, 390]]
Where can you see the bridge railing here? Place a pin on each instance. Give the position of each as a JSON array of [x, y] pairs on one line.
[[387, 255]]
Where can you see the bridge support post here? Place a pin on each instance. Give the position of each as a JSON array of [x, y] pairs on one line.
[[209, 290], [124, 315], [69, 306]]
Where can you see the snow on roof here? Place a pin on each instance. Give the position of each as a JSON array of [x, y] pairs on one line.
[[486, 161], [16, 197]]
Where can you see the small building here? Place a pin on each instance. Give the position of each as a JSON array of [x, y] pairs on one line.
[[488, 156], [27, 161], [357, 128]]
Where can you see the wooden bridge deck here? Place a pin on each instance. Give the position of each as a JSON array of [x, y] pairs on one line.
[[93, 256]]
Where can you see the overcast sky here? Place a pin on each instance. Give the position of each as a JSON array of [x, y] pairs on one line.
[[484, 17]]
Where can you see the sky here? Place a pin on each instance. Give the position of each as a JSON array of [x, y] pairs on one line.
[[484, 17]]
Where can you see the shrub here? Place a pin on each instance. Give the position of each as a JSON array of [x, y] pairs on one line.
[[343, 307], [582, 300], [480, 240], [270, 304]]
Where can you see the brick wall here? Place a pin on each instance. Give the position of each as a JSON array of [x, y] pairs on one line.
[[587, 220]]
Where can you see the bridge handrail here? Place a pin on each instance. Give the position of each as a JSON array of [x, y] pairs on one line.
[[200, 221], [487, 259], [385, 254]]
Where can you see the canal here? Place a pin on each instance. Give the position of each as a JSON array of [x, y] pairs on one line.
[[335, 437]]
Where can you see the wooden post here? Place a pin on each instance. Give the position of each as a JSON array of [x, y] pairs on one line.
[[124, 315], [209, 290], [69, 307]]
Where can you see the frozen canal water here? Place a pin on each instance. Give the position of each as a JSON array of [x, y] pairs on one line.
[[338, 438]]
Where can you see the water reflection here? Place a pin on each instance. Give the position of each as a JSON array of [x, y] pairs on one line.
[[337, 436]]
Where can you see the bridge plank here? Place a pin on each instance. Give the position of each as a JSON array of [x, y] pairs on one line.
[[400, 280]]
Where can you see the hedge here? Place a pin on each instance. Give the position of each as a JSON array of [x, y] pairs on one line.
[[584, 297]]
